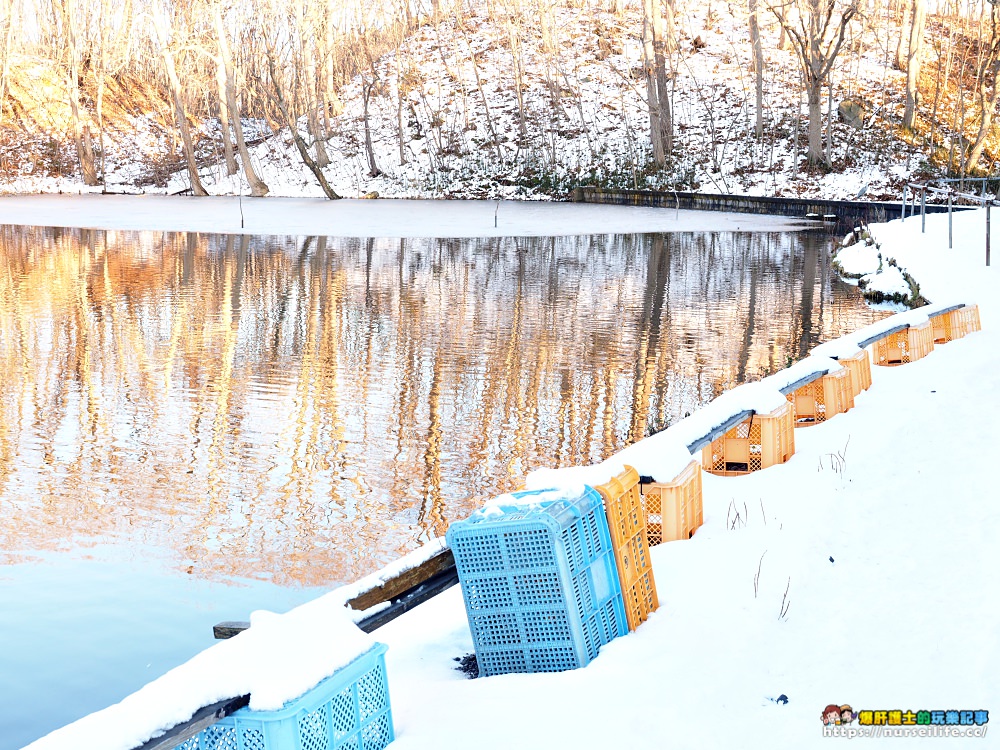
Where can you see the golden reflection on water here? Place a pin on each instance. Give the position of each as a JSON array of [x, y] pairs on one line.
[[305, 410]]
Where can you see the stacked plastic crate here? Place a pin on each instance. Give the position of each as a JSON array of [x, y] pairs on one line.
[[539, 581], [349, 709], [823, 398], [969, 319], [627, 522], [759, 441], [903, 347], [860, 370], [674, 509]]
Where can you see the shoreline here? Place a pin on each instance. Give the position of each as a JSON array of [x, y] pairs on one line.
[[382, 218]]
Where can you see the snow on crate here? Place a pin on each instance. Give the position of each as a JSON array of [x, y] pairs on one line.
[[277, 660]]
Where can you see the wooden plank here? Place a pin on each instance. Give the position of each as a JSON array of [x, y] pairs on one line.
[[417, 595], [402, 583], [424, 589], [202, 718], [224, 630]]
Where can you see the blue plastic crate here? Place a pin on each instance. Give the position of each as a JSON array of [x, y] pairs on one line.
[[349, 709], [540, 584]]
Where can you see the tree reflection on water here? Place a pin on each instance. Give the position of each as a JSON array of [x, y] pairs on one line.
[[304, 410]]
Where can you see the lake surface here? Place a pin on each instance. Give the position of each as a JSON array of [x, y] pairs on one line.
[[196, 426]]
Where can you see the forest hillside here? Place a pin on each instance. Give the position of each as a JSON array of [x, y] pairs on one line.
[[496, 98]]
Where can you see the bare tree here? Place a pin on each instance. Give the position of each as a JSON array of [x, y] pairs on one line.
[[758, 66], [258, 187], [655, 45], [987, 88], [81, 131], [817, 36], [176, 93], [918, 15], [291, 122]]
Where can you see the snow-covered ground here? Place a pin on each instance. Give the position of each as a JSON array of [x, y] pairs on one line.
[[863, 572], [366, 218]]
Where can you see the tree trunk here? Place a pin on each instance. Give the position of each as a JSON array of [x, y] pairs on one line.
[[919, 14], [366, 92], [159, 25], [227, 140], [258, 188], [758, 67], [81, 132], [988, 102], [814, 90], [904, 32], [663, 44], [649, 8]]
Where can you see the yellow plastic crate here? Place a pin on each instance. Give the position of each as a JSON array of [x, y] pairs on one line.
[[674, 509], [760, 441], [955, 324], [860, 369], [627, 523], [904, 346], [947, 326], [969, 319], [822, 399]]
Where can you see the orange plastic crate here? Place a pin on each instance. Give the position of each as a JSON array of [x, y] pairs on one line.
[[627, 523], [759, 441], [969, 319], [822, 399], [947, 326], [904, 346], [859, 366], [955, 324], [674, 509]]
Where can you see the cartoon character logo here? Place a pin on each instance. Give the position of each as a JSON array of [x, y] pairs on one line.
[[830, 715], [846, 715]]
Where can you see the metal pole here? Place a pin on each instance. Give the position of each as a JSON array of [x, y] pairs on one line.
[[987, 234], [949, 221], [903, 215], [923, 210]]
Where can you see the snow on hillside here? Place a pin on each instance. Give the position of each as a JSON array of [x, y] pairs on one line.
[[444, 118]]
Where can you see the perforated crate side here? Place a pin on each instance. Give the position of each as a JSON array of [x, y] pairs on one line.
[[777, 436], [809, 402], [892, 350], [972, 321], [967, 320], [551, 568], [584, 612], [947, 326], [349, 709], [665, 502], [623, 504], [838, 391], [860, 370], [921, 340]]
